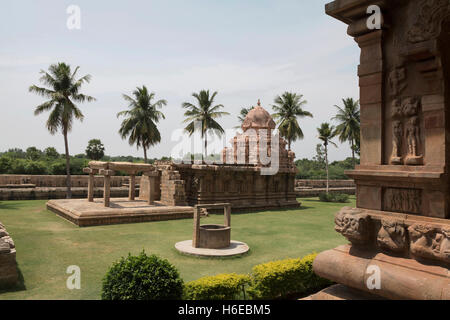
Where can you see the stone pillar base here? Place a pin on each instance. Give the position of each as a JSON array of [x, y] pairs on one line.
[[341, 292], [400, 278]]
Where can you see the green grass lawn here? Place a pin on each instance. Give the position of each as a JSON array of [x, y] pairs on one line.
[[47, 244]]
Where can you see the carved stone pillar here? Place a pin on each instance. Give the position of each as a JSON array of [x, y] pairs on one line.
[[91, 182], [132, 187], [402, 223], [106, 186]]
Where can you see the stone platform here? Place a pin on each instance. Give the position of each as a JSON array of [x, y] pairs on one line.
[[235, 249], [339, 292], [400, 278], [84, 213]]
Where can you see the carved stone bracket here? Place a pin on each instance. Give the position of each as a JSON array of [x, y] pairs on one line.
[[392, 236], [353, 224], [430, 242], [402, 234]]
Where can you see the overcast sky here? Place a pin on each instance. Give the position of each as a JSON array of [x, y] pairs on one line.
[[244, 49]]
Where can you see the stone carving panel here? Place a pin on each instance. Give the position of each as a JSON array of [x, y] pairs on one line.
[[406, 131], [429, 20], [353, 224], [429, 242], [402, 200], [397, 81]]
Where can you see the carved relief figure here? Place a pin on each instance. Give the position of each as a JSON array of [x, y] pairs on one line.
[[410, 107], [353, 224], [413, 138], [397, 81], [403, 200], [392, 236], [429, 242], [397, 135]]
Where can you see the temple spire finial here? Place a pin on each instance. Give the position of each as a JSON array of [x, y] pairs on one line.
[[259, 103]]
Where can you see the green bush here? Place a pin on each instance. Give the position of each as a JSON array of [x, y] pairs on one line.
[[5, 164], [219, 287], [35, 167], [333, 197], [142, 277], [281, 279]]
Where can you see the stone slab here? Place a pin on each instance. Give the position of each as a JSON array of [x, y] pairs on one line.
[[339, 292], [84, 213], [236, 248]]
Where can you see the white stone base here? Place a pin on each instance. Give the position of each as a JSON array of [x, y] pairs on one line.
[[235, 249]]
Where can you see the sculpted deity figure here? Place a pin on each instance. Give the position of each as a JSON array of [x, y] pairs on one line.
[[410, 107], [397, 134], [412, 136], [397, 79]]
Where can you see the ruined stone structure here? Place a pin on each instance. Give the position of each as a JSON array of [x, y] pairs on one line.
[[402, 221], [8, 266], [240, 180]]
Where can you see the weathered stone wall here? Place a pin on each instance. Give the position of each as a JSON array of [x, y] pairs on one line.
[[8, 265], [59, 181], [56, 193], [172, 189], [244, 187]]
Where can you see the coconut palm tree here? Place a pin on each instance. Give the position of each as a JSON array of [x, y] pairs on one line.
[[63, 91], [349, 124], [288, 107], [204, 112], [243, 114], [326, 133], [140, 120]]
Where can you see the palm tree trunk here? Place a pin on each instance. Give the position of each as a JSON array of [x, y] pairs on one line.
[[353, 153], [145, 154], [326, 166], [289, 144], [206, 146], [68, 178]]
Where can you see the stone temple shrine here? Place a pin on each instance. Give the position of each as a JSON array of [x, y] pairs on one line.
[[256, 172]]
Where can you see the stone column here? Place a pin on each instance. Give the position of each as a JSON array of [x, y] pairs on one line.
[[92, 173], [107, 186], [227, 211], [196, 235], [132, 187], [152, 186]]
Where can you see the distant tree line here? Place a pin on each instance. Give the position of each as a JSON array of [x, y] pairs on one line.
[[49, 162], [61, 88]]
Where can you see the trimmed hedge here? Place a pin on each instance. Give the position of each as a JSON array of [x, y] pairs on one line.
[[280, 279], [219, 287], [334, 197], [142, 277]]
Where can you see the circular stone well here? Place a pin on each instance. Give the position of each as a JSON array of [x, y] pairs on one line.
[[213, 236], [236, 248]]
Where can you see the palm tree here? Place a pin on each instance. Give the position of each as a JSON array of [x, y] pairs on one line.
[[205, 113], [243, 114], [288, 107], [63, 90], [349, 124], [326, 133], [140, 120]]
